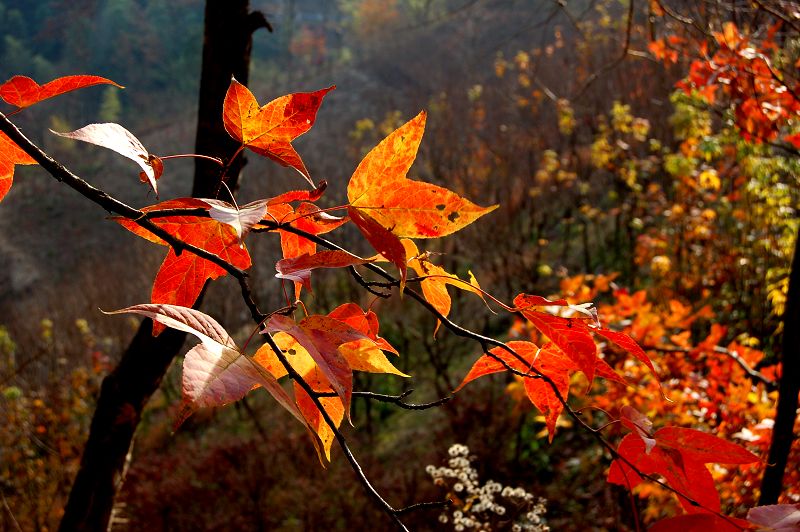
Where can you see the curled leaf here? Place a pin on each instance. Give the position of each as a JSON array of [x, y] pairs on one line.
[[116, 138]]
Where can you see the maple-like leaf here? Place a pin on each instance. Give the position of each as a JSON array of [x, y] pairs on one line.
[[679, 455], [628, 344], [181, 278], [299, 269], [215, 372], [116, 138], [22, 91], [569, 334], [10, 155], [385, 205], [269, 130], [321, 337], [549, 361], [365, 354]]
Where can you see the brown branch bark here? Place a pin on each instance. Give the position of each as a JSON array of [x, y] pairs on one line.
[[125, 392]]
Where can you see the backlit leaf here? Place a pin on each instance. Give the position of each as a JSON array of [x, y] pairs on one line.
[[215, 372], [116, 138], [269, 130], [22, 91], [10, 155], [299, 268]]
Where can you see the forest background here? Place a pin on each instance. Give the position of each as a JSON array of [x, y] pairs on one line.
[[614, 186]]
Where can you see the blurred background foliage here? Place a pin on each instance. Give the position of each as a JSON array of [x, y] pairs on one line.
[[614, 185]]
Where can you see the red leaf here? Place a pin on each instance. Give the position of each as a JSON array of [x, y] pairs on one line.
[[486, 365], [10, 155], [300, 195], [23, 92], [181, 278], [269, 130], [689, 477], [384, 242], [570, 335], [628, 344], [703, 447], [299, 268], [386, 205], [333, 407], [116, 138], [364, 322]]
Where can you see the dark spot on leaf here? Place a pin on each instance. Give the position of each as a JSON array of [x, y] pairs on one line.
[[441, 206], [453, 216]]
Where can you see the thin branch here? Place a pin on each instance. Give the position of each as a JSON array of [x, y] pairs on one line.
[[362, 478], [424, 506], [485, 341], [613, 64], [113, 205], [394, 399], [754, 375]]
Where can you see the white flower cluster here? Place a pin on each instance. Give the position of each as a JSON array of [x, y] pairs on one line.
[[476, 506]]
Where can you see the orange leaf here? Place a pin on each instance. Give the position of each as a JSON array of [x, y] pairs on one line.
[[10, 155], [333, 407], [385, 205], [181, 278], [23, 92], [321, 336], [269, 130]]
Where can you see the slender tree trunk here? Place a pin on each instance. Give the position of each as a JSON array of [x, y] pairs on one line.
[[126, 390], [783, 432]]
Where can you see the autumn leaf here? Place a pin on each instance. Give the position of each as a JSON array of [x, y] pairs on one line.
[[22, 91], [333, 407], [679, 455], [299, 269], [116, 138], [385, 205], [269, 130], [10, 155], [570, 335], [215, 372], [321, 337], [435, 280], [549, 361], [365, 354], [628, 344], [181, 278], [776, 517], [307, 217]]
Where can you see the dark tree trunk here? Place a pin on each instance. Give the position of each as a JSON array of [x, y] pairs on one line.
[[783, 432], [126, 390]]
